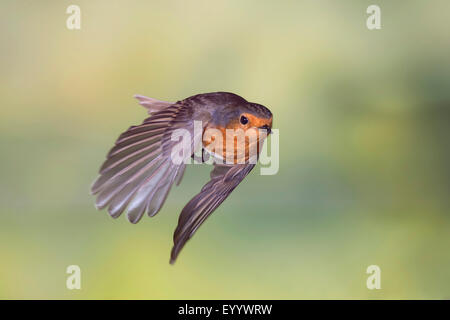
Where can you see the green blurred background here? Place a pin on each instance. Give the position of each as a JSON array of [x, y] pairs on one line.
[[364, 120]]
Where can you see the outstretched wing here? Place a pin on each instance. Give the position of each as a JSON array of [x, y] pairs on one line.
[[224, 179], [138, 172]]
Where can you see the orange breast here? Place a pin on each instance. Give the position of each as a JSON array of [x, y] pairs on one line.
[[233, 143]]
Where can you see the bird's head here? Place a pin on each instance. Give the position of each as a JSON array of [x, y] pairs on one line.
[[251, 116], [234, 112], [241, 126]]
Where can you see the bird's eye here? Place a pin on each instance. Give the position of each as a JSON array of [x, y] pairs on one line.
[[244, 120]]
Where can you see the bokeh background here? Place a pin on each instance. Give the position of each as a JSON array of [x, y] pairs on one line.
[[364, 120]]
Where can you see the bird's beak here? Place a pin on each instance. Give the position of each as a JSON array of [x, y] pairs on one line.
[[267, 128]]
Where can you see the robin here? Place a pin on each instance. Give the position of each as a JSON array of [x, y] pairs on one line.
[[138, 173]]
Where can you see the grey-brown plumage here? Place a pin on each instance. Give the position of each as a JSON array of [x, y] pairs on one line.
[[138, 173]]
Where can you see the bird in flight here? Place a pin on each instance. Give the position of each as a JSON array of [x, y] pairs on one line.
[[140, 169]]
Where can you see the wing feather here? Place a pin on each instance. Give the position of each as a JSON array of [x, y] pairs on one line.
[[224, 179], [137, 174]]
